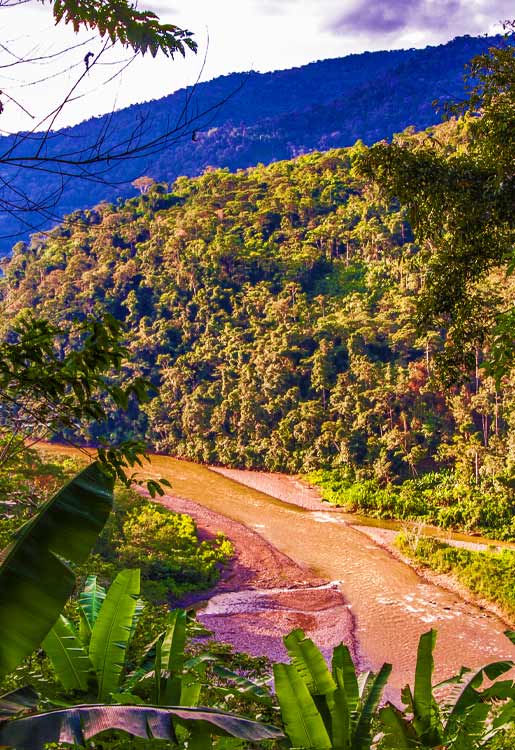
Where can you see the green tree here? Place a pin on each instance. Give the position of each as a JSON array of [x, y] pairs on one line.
[[51, 377], [460, 205]]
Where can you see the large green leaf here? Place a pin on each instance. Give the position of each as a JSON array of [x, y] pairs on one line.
[[172, 656], [398, 732], [472, 729], [302, 720], [309, 662], [68, 655], [91, 599], [465, 693], [174, 641], [79, 723], [190, 692], [362, 738], [425, 719], [244, 686], [112, 629], [344, 674], [35, 580], [340, 719]]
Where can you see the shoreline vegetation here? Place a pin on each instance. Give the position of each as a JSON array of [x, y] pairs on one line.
[[129, 510], [165, 545], [484, 575], [435, 499]]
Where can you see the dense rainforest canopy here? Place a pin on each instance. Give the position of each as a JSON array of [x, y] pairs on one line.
[[275, 309]]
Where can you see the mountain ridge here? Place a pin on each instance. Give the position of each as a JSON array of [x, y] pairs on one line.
[[272, 116]]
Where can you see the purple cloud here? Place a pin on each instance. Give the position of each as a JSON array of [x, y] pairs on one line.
[[417, 15]]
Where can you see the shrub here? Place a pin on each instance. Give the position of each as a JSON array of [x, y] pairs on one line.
[[166, 547], [489, 574], [435, 498]]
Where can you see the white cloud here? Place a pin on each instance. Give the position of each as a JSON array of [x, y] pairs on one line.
[[243, 34]]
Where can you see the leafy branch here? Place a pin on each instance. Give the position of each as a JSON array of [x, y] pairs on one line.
[[122, 22]]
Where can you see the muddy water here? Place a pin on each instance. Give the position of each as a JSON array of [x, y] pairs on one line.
[[307, 551], [391, 605]]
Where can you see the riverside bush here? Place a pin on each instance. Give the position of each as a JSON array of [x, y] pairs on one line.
[[164, 545], [434, 498], [489, 574]]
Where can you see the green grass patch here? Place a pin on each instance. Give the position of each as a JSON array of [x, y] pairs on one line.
[[489, 574]]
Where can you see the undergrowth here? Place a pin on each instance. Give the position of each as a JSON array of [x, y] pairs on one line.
[[489, 574], [434, 498]]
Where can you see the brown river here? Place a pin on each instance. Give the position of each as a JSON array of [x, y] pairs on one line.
[[301, 563]]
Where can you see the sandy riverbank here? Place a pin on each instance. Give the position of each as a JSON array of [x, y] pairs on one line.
[[262, 594]]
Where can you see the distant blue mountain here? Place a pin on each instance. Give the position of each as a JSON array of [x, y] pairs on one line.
[[238, 120]]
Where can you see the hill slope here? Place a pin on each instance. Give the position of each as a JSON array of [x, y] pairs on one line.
[[274, 307], [265, 117]]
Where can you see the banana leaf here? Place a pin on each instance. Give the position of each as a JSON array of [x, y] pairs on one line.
[[190, 693], [472, 728], [111, 632], [91, 599], [245, 686], [140, 608], [174, 641], [79, 723], [35, 580], [17, 701], [344, 674], [68, 655], [362, 739], [127, 699], [172, 656], [302, 720], [465, 693], [157, 675], [340, 720], [425, 720], [398, 732], [309, 663]]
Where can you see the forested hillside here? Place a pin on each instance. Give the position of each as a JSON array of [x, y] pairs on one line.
[[275, 308], [239, 120]]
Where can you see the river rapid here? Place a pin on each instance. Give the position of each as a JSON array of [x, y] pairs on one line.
[[301, 563]]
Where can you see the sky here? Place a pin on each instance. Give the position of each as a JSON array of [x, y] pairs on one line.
[[233, 35]]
